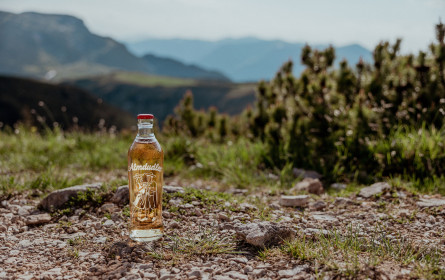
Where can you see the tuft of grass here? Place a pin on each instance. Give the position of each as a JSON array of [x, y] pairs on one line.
[[350, 254]]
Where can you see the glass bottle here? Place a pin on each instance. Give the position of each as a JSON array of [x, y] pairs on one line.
[[145, 181]]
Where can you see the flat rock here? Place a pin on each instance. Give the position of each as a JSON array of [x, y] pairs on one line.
[[58, 198], [338, 186], [309, 185], [306, 173], [294, 200], [318, 205], [263, 234], [432, 202], [374, 189], [121, 196], [172, 189], [37, 219]]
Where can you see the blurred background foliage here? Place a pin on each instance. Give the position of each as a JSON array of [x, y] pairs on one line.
[[354, 123]]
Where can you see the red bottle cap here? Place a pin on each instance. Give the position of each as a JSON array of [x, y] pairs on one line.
[[145, 116]]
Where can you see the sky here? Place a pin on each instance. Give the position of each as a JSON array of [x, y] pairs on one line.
[[339, 22]]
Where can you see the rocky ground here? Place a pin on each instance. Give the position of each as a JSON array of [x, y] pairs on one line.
[[380, 232]]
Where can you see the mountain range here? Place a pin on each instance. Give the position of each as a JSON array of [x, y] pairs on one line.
[[61, 46], [243, 59], [45, 105]]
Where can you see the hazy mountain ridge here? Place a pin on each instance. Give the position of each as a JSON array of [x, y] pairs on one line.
[[61, 46], [160, 98], [42, 104], [244, 59]]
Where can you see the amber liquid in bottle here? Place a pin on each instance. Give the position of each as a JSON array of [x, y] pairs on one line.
[[145, 181]]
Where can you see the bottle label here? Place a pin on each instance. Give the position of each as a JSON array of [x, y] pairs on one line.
[[146, 191]]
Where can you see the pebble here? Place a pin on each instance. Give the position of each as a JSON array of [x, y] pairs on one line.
[[236, 275], [294, 200], [38, 219], [108, 223], [374, 189]]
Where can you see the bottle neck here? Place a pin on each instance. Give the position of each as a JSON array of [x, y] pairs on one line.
[[145, 129]]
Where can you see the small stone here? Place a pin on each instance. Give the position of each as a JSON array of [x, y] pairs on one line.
[[309, 185], [342, 201], [338, 186], [167, 276], [186, 206], [223, 217], [100, 239], [318, 205], [374, 189], [109, 208], [236, 275], [274, 206], [21, 211], [195, 272], [149, 275], [258, 272], [285, 273], [175, 202], [38, 219], [264, 233], [108, 223], [294, 200], [121, 196], [25, 243], [247, 207], [248, 269], [306, 173], [59, 197], [3, 228], [239, 260], [431, 202], [197, 212], [172, 189], [174, 225]]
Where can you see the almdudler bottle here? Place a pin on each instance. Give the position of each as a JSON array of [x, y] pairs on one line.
[[145, 181]]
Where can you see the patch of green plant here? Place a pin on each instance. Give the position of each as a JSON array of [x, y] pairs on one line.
[[355, 252]]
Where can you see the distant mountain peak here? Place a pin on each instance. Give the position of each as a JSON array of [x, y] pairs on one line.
[[61, 46], [241, 59]]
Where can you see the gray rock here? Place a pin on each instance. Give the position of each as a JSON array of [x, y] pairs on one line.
[[108, 223], [318, 205], [59, 197], [274, 206], [306, 173], [195, 272], [258, 273], [100, 239], [121, 196], [109, 208], [374, 189], [174, 224], [149, 275], [433, 202], [247, 207], [338, 186], [223, 217], [309, 185], [294, 200], [236, 275], [172, 189], [37, 219], [263, 234], [167, 276]]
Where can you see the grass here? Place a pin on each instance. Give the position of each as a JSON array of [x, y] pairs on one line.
[[351, 254], [150, 80], [205, 242]]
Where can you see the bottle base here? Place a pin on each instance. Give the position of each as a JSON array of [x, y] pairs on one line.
[[146, 235]]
